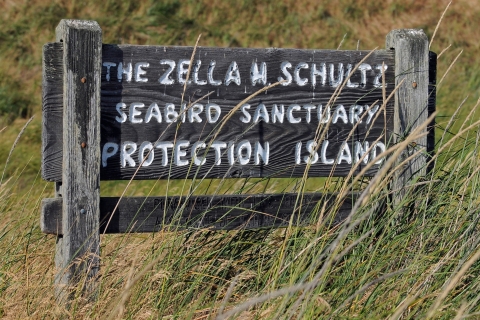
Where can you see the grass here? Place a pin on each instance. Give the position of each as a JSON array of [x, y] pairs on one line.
[[385, 263]]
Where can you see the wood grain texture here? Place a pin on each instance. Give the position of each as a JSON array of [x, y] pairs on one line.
[[79, 247], [411, 100], [52, 115], [281, 137], [226, 212], [432, 105]]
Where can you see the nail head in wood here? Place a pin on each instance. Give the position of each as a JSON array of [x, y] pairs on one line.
[[83, 80], [83, 144], [414, 84]]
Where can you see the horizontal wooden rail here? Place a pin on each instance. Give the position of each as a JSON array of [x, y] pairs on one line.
[[227, 212]]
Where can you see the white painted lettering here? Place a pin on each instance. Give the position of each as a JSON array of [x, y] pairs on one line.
[[139, 72], [374, 152], [123, 115], [309, 108], [359, 151], [233, 74], [246, 116], [261, 112], [364, 67], [355, 113], [182, 70], [350, 84], [288, 77], [153, 112], [211, 81], [193, 113], [259, 76], [170, 114], [183, 112], [323, 117], [371, 113], [218, 146], [290, 117], [322, 72], [108, 65], [196, 68], [244, 145], [278, 114], [296, 74], [344, 154], [323, 154], [128, 148], [262, 152], [213, 112], [312, 158], [146, 146], [179, 152], [298, 149], [124, 71], [336, 82], [134, 112], [165, 78], [109, 150], [340, 113], [164, 145], [376, 82], [231, 152], [196, 159]]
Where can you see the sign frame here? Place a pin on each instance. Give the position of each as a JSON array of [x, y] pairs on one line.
[[73, 108]]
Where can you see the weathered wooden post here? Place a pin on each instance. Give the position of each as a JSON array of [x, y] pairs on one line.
[[78, 249], [411, 102]]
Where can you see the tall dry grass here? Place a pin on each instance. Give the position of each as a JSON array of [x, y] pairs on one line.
[[383, 263], [379, 263]]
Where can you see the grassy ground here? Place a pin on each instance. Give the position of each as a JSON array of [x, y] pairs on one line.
[[416, 265]]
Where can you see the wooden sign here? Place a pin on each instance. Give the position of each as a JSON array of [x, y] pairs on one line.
[[116, 112], [199, 130]]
